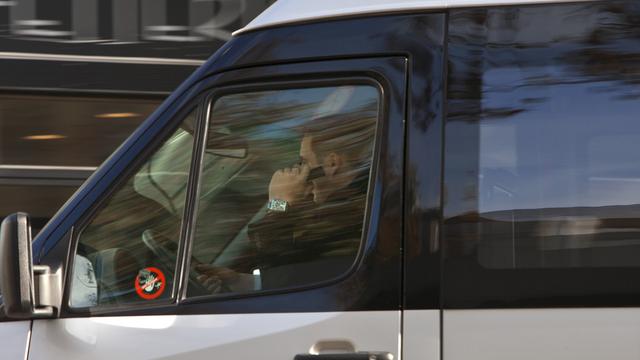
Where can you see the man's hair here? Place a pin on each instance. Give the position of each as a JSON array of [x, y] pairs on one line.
[[350, 135]]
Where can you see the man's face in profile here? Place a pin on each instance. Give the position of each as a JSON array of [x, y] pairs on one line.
[[319, 187]]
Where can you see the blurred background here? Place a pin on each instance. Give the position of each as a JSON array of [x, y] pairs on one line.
[[78, 76]]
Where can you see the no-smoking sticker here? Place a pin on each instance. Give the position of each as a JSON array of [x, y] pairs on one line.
[[150, 283]]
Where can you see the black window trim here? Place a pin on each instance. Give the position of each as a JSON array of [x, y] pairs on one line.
[[255, 85]]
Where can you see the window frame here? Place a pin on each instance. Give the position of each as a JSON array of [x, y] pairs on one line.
[[252, 87]]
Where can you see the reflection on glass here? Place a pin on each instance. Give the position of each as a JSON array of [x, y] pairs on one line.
[[543, 170], [283, 188], [131, 244]]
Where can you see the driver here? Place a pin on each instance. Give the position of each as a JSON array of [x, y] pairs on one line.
[[314, 222]]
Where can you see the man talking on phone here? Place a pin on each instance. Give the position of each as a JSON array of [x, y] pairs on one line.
[[313, 226]]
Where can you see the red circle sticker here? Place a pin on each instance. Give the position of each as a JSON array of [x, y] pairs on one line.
[[150, 283]]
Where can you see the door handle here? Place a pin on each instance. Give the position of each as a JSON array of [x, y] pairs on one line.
[[341, 350], [361, 355]]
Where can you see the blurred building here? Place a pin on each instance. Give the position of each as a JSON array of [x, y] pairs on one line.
[[78, 76]]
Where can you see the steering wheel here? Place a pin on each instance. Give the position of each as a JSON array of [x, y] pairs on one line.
[[168, 256]]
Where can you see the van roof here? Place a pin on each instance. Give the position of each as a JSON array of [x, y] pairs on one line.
[[284, 12]]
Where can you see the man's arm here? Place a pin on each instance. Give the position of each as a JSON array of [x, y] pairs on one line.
[[273, 235]]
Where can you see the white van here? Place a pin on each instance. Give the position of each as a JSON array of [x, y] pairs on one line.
[[353, 179]]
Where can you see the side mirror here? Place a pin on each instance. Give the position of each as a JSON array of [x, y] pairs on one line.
[[27, 290]]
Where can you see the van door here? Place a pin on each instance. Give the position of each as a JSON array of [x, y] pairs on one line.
[[14, 339], [542, 181], [266, 222]]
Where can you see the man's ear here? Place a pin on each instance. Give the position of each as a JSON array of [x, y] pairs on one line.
[[332, 163]]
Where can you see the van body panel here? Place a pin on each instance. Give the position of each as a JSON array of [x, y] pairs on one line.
[[421, 334], [14, 339], [233, 336], [553, 334], [287, 12], [423, 169], [403, 35]]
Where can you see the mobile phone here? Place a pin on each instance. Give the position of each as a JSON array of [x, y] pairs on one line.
[[315, 173]]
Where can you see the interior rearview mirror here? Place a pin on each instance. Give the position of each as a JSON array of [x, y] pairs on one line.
[[227, 145], [28, 291]]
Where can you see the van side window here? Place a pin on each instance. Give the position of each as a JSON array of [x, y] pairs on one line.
[[557, 177], [543, 148], [283, 188], [127, 253]]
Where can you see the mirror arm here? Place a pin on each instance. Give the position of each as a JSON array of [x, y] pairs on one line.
[[48, 291]]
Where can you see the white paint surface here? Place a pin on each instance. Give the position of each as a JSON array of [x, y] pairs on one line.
[[14, 338], [207, 337], [421, 335], [555, 334], [294, 11]]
